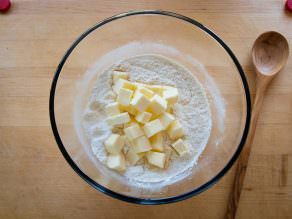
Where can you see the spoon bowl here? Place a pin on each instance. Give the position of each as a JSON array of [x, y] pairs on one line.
[[270, 53]]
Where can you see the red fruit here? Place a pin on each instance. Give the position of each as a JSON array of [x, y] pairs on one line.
[[289, 5], [4, 5]]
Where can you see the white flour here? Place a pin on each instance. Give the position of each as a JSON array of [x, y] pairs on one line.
[[192, 110]]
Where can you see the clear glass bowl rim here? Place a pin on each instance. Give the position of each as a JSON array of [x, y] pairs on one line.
[[137, 200]]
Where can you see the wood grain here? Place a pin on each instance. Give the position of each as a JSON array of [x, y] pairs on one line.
[[36, 182]]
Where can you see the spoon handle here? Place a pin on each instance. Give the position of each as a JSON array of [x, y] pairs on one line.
[[262, 83]]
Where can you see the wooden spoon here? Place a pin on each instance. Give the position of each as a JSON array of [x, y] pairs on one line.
[[269, 55]]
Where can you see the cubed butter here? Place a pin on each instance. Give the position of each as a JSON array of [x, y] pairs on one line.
[[168, 153], [147, 92], [132, 157], [158, 105], [120, 74], [112, 109], [118, 85], [153, 127], [169, 109], [180, 147], [134, 131], [140, 102], [132, 122], [157, 142], [171, 95], [175, 130], [124, 96], [122, 83], [116, 162], [130, 109], [118, 119], [157, 89], [114, 144], [156, 158], [166, 119], [129, 85], [141, 144], [143, 117]]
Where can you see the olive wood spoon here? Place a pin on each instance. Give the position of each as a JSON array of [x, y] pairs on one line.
[[269, 55]]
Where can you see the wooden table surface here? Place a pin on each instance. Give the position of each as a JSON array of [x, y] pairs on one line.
[[36, 181]]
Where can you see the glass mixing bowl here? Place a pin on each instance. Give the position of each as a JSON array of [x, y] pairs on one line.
[[179, 38]]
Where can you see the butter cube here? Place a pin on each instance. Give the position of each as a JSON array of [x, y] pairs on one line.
[[118, 119], [153, 127], [143, 117], [180, 147], [130, 109], [122, 83], [171, 95], [118, 85], [157, 89], [168, 153], [157, 142], [141, 144], [166, 119], [124, 96], [140, 102], [158, 105], [132, 122], [169, 109], [114, 144], [134, 131], [120, 74], [132, 157], [145, 91], [128, 142], [156, 158], [175, 130], [112, 109], [116, 162]]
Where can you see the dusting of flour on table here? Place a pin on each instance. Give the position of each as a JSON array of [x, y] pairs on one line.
[[192, 110]]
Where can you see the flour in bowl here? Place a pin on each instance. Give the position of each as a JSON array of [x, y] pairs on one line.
[[192, 110]]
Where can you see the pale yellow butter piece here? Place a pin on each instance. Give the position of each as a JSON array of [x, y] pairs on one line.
[[130, 86], [130, 109], [140, 102], [143, 117], [175, 130], [116, 162], [118, 85], [157, 142], [157, 89], [133, 131], [112, 109], [114, 144], [166, 119], [168, 153], [118, 119], [120, 74], [147, 92], [180, 147], [171, 95], [132, 122], [153, 127], [124, 96], [141, 144], [156, 158], [128, 142], [122, 83], [158, 105], [132, 157]]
